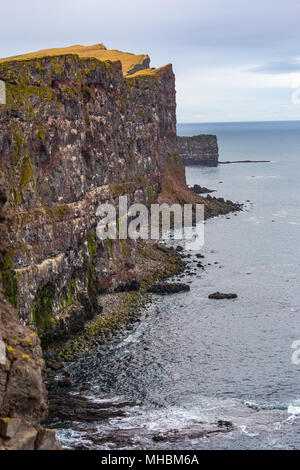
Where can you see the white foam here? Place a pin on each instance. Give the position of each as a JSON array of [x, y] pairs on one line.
[[248, 433], [294, 408]]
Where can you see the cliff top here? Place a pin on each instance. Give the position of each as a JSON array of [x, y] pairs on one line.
[[151, 71], [131, 63]]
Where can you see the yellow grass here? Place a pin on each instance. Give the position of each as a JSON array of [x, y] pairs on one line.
[[98, 51], [151, 71]]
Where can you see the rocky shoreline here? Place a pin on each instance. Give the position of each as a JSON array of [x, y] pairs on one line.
[[79, 408], [70, 404], [155, 264]]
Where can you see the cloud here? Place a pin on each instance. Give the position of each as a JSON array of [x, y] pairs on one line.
[[224, 52], [278, 67]]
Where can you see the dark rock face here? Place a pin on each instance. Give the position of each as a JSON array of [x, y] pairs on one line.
[[75, 133], [199, 150]]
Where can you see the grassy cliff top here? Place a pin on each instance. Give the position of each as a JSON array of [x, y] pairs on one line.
[[131, 63], [151, 71]]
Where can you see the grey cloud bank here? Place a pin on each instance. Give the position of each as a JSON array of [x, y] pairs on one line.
[[234, 60]]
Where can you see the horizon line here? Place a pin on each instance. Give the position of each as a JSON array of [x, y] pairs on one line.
[[236, 122]]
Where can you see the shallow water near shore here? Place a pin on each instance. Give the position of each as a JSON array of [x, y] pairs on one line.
[[191, 361]]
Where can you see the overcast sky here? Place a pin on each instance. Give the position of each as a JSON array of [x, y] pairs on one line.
[[235, 60]]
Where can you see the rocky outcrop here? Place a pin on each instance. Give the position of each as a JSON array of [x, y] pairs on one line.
[[199, 150], [202, 189], [23, 396], [221, 296], [168, 288], [75, 133]]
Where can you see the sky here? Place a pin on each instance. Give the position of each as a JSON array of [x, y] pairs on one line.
[[234, 60]]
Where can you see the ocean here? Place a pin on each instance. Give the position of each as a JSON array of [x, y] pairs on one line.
[[193, 360]]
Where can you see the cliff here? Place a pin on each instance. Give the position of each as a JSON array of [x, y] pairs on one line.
[[23, 396], [199, 150], [75, 133]]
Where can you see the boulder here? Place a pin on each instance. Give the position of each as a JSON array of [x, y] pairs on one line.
[[220, 296], [9, 427]]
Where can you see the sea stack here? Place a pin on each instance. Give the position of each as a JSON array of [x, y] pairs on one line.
[[199, 150]]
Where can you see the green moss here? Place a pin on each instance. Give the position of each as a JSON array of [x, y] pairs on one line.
[[119, 189], [150, 195], [140, 180], [102, 324], [27, 172], [8, 261], [126, 308], [18, 145], [57, 213], [42, 309], [9, 279], [83, 253], [10, 286], [92, 245], [69, 93], [69, 297], [22, 99], [20, 169], [56, 66], [89, 92], [109, 244], [41, 134]]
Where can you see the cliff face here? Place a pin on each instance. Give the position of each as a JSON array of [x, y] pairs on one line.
[[199, 150], [23, 397], [75, 133]]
